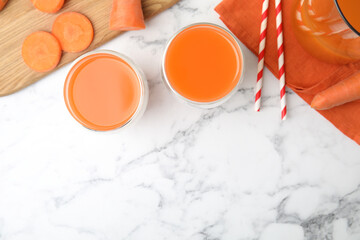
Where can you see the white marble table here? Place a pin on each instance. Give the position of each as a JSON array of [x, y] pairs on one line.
[[179, 173]]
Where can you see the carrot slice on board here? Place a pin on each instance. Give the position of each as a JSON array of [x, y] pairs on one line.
[[2, 4], [74, 31], [126, 15], [47, 6], [41, 51]]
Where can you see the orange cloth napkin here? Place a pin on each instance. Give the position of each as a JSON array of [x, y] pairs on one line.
[[304, 74]]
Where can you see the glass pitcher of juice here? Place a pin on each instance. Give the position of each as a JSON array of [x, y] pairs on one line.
[[329, 29]]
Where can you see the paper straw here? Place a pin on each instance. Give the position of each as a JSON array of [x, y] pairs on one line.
[[262, 42], [281, 63]]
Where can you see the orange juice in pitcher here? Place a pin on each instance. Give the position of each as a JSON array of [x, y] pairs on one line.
[[329, 29]]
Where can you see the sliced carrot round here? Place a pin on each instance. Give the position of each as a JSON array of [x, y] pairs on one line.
[[48, 6], [41, 51], [74, 31]]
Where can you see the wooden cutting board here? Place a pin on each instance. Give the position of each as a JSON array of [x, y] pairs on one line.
[[19, 18]]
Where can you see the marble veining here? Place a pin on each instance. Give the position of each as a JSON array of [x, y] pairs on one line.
[[180, 173]]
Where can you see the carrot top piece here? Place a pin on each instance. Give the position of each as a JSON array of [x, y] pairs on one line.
[[48, 6], [41, 51], [2, 4], [74, 31], [126, 15]]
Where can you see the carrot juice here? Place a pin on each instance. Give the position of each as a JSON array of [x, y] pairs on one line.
[[203, 64], [328, 29], [104, 91], [350, 11]]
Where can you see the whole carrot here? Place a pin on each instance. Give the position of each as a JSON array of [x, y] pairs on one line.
[[344, 91], [2, 4]]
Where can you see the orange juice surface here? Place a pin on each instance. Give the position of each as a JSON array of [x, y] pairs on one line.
[[203, 63], [102, 91]]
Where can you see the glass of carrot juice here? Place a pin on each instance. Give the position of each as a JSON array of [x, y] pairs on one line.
[[203, 65], [105, 90]]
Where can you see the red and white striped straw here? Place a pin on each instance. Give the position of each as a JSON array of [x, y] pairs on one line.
[[281, 62], [262, 42]]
